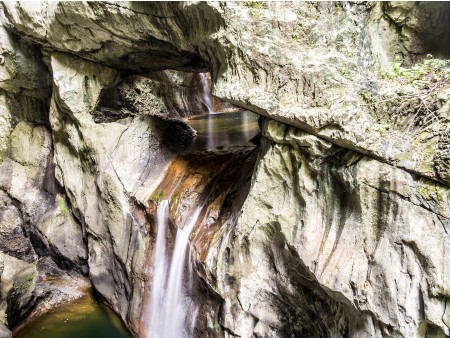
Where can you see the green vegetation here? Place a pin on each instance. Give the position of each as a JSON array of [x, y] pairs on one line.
[[434, 193], [158, 197], [254, 4], [62, 207], [413, 112], [426, 75]]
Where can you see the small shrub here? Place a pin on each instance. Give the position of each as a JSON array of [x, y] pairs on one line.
[[158, 197], [416, 112], [428, 74]]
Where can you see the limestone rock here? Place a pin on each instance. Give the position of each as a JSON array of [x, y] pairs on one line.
[[117, 163], [21, 66], [16, 289], [421, 28], [4, 332], [166, 94], [26, 173], [62, 237], [326, 230], [308, 65], [14, 241]]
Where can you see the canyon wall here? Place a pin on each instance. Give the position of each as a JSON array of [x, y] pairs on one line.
[[344, 229]]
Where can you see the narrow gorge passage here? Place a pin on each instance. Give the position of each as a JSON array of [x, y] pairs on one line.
[[202, 191]]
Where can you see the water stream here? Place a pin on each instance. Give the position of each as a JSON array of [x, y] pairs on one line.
[[169, 295], [159, 267], [205, 93]]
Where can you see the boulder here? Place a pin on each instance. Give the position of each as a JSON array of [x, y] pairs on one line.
[[17, 285]]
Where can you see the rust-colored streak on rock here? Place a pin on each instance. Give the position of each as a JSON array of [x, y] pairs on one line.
[[218, 181]]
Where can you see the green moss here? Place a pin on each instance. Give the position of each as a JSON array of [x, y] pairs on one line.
[[428, 152], [62, 208], [381, 128], [435, 193]]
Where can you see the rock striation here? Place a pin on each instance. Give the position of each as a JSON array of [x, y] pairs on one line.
[[343, 229]]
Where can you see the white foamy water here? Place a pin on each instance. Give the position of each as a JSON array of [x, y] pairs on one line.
[[160, 267], [205, 93], [169, 288]]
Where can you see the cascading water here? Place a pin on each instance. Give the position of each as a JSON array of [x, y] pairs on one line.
[[160, 267], [168, 295], [205, 93]]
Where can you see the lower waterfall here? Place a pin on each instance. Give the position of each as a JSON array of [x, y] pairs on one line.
[[168, 299]]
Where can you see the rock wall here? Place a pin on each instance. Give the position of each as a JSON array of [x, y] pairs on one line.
[[317, 73], [35, 222], [344, 230], [331, 243]]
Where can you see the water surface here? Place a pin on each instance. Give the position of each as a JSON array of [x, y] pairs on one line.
[[84, 318], [222, 129]]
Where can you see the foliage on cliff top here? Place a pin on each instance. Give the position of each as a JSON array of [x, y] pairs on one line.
[[429, 75], [254, 4], [412, 112]]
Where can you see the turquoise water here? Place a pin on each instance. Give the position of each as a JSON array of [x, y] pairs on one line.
[[84, 318]]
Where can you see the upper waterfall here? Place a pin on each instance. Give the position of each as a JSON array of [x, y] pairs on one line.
[[205, 93]]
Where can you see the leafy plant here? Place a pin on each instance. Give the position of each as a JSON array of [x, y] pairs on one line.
[[428, 74], [62, 207], [158, 197], [415, 112]]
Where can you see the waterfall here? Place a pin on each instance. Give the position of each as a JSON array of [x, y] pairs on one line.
[[168, 295], [160, 268], [205, 93]]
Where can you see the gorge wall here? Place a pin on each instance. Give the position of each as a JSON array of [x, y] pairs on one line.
[[342, 230]]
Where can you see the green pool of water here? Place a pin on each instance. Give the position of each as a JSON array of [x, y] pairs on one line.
[[85, 318], [222, 129]]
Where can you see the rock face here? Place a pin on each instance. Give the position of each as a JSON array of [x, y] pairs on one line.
[[326, 230], [344, 231], [324, 84], [18, 281]]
